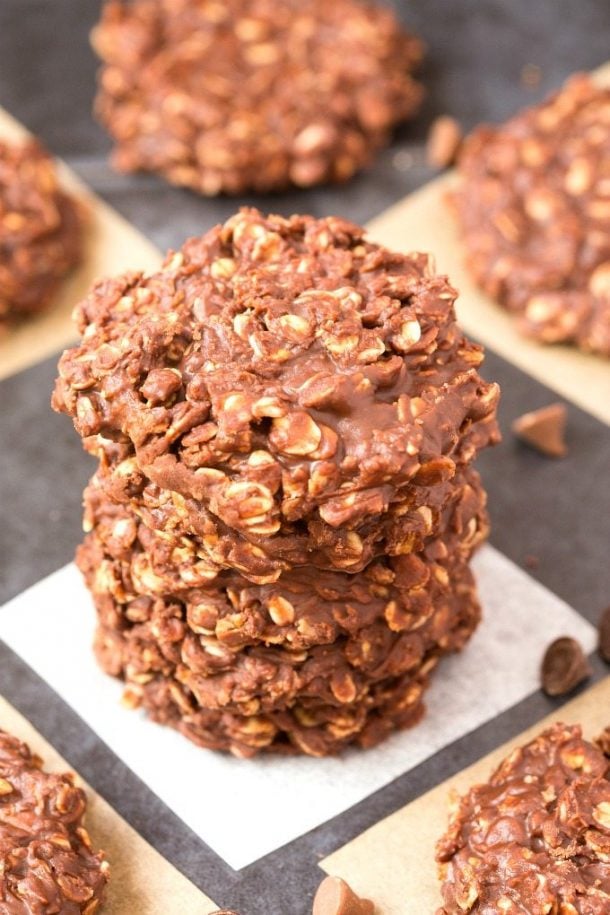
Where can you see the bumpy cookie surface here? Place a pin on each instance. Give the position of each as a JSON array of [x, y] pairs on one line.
[[47, 865], [190, 530], [252, 94], [313, 661], [286, 377], [534, 208], [536, 837], [40, 230]]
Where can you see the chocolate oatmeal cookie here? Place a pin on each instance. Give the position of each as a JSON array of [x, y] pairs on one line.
[[183, 523], [328, 642], [225, 668], [252, 94], [170, 561], [282, 377], [534, 209], [47, 864], [40, 230], [536, 837]]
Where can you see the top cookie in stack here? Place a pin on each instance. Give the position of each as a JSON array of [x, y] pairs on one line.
[[288, 382], [282, 393]]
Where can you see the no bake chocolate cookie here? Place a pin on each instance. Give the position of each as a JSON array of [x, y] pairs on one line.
[[169, 563], [256, 95], [536, 838], [40, 230], [282, 377], [312, 657], [209, 545], [279, 529], [533, 204], [47, 864]]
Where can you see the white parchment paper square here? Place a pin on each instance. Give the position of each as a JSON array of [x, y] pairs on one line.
[[244, 809]]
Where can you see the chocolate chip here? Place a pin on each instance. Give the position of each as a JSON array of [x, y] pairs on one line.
[[564, 666], [604, 635], [531, 74], [444, 141], [543, 429], [335, 897]]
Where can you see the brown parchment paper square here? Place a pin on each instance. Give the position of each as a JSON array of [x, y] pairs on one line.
[[112, 246], [392, 863], [142, 881]]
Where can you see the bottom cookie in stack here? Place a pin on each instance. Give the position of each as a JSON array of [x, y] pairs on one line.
[[312, 662]]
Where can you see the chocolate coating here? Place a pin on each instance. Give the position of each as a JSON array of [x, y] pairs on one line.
[[534, 212], [252, 94], [283, 377], [40, 230], [47, 865], [536, 837]]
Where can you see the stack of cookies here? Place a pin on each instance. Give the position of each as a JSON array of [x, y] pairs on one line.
[[280, 526]]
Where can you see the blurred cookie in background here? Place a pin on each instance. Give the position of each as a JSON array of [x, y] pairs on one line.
[[533, 205], [252, 95], [40, 230]]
